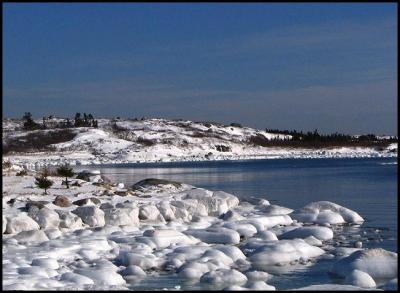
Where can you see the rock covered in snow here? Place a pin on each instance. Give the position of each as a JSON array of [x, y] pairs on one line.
[[326, 212], [274, 210], [21, 222], [46, 262], [123, 216], [283, 252], [90, 215], [321, 233], [69, 220], [78, 279], [31, 236], [215, 235], [133, 270], [150, 213], [163, 238], [224, 276], [360, 279], [46, 218], [103, 276], [377, 262]]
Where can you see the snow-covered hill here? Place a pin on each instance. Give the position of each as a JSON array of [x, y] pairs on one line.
[[160, 140]]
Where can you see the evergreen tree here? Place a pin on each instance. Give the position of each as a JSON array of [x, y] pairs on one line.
[[66, 172], [43, 182]]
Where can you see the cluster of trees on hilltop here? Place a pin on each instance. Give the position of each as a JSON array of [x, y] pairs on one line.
[[87, 120]]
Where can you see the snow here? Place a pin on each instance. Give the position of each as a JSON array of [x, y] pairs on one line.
[[377, 262], [325, 212], [201, 236], [321, 233], [360, 279], [162, 140]]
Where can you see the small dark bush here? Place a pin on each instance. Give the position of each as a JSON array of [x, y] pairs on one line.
[[223, 148], [21, 173], [146, 142]]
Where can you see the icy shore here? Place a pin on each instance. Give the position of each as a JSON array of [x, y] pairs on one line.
[[104, 235]]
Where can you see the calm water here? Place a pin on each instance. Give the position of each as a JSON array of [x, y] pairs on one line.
[[368, 186]]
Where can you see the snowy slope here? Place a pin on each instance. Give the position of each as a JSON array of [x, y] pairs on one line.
[[161, 140]]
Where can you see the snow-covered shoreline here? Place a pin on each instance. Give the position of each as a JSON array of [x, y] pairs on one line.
[[104, 235], [161, 140]]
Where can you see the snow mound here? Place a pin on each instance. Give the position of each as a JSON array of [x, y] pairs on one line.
[[224, 276], [326, 212], [321, 233], [283, 252], [377, 262], [360, 279]]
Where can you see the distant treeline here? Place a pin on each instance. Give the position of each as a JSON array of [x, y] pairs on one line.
[[79, 121], [316, 140]]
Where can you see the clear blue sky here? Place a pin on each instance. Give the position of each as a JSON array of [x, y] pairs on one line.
[[288, 66]]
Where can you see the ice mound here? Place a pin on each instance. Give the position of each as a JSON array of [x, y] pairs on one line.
[[326, 212], [377, 262], [321, 233], [360, 279], [283, 252]]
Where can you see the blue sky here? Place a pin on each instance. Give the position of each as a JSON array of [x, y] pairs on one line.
[[265, 65]]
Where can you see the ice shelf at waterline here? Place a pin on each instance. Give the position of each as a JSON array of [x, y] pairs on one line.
[[103, 235]]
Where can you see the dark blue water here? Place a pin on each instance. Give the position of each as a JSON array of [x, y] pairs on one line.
[[368, 186]]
